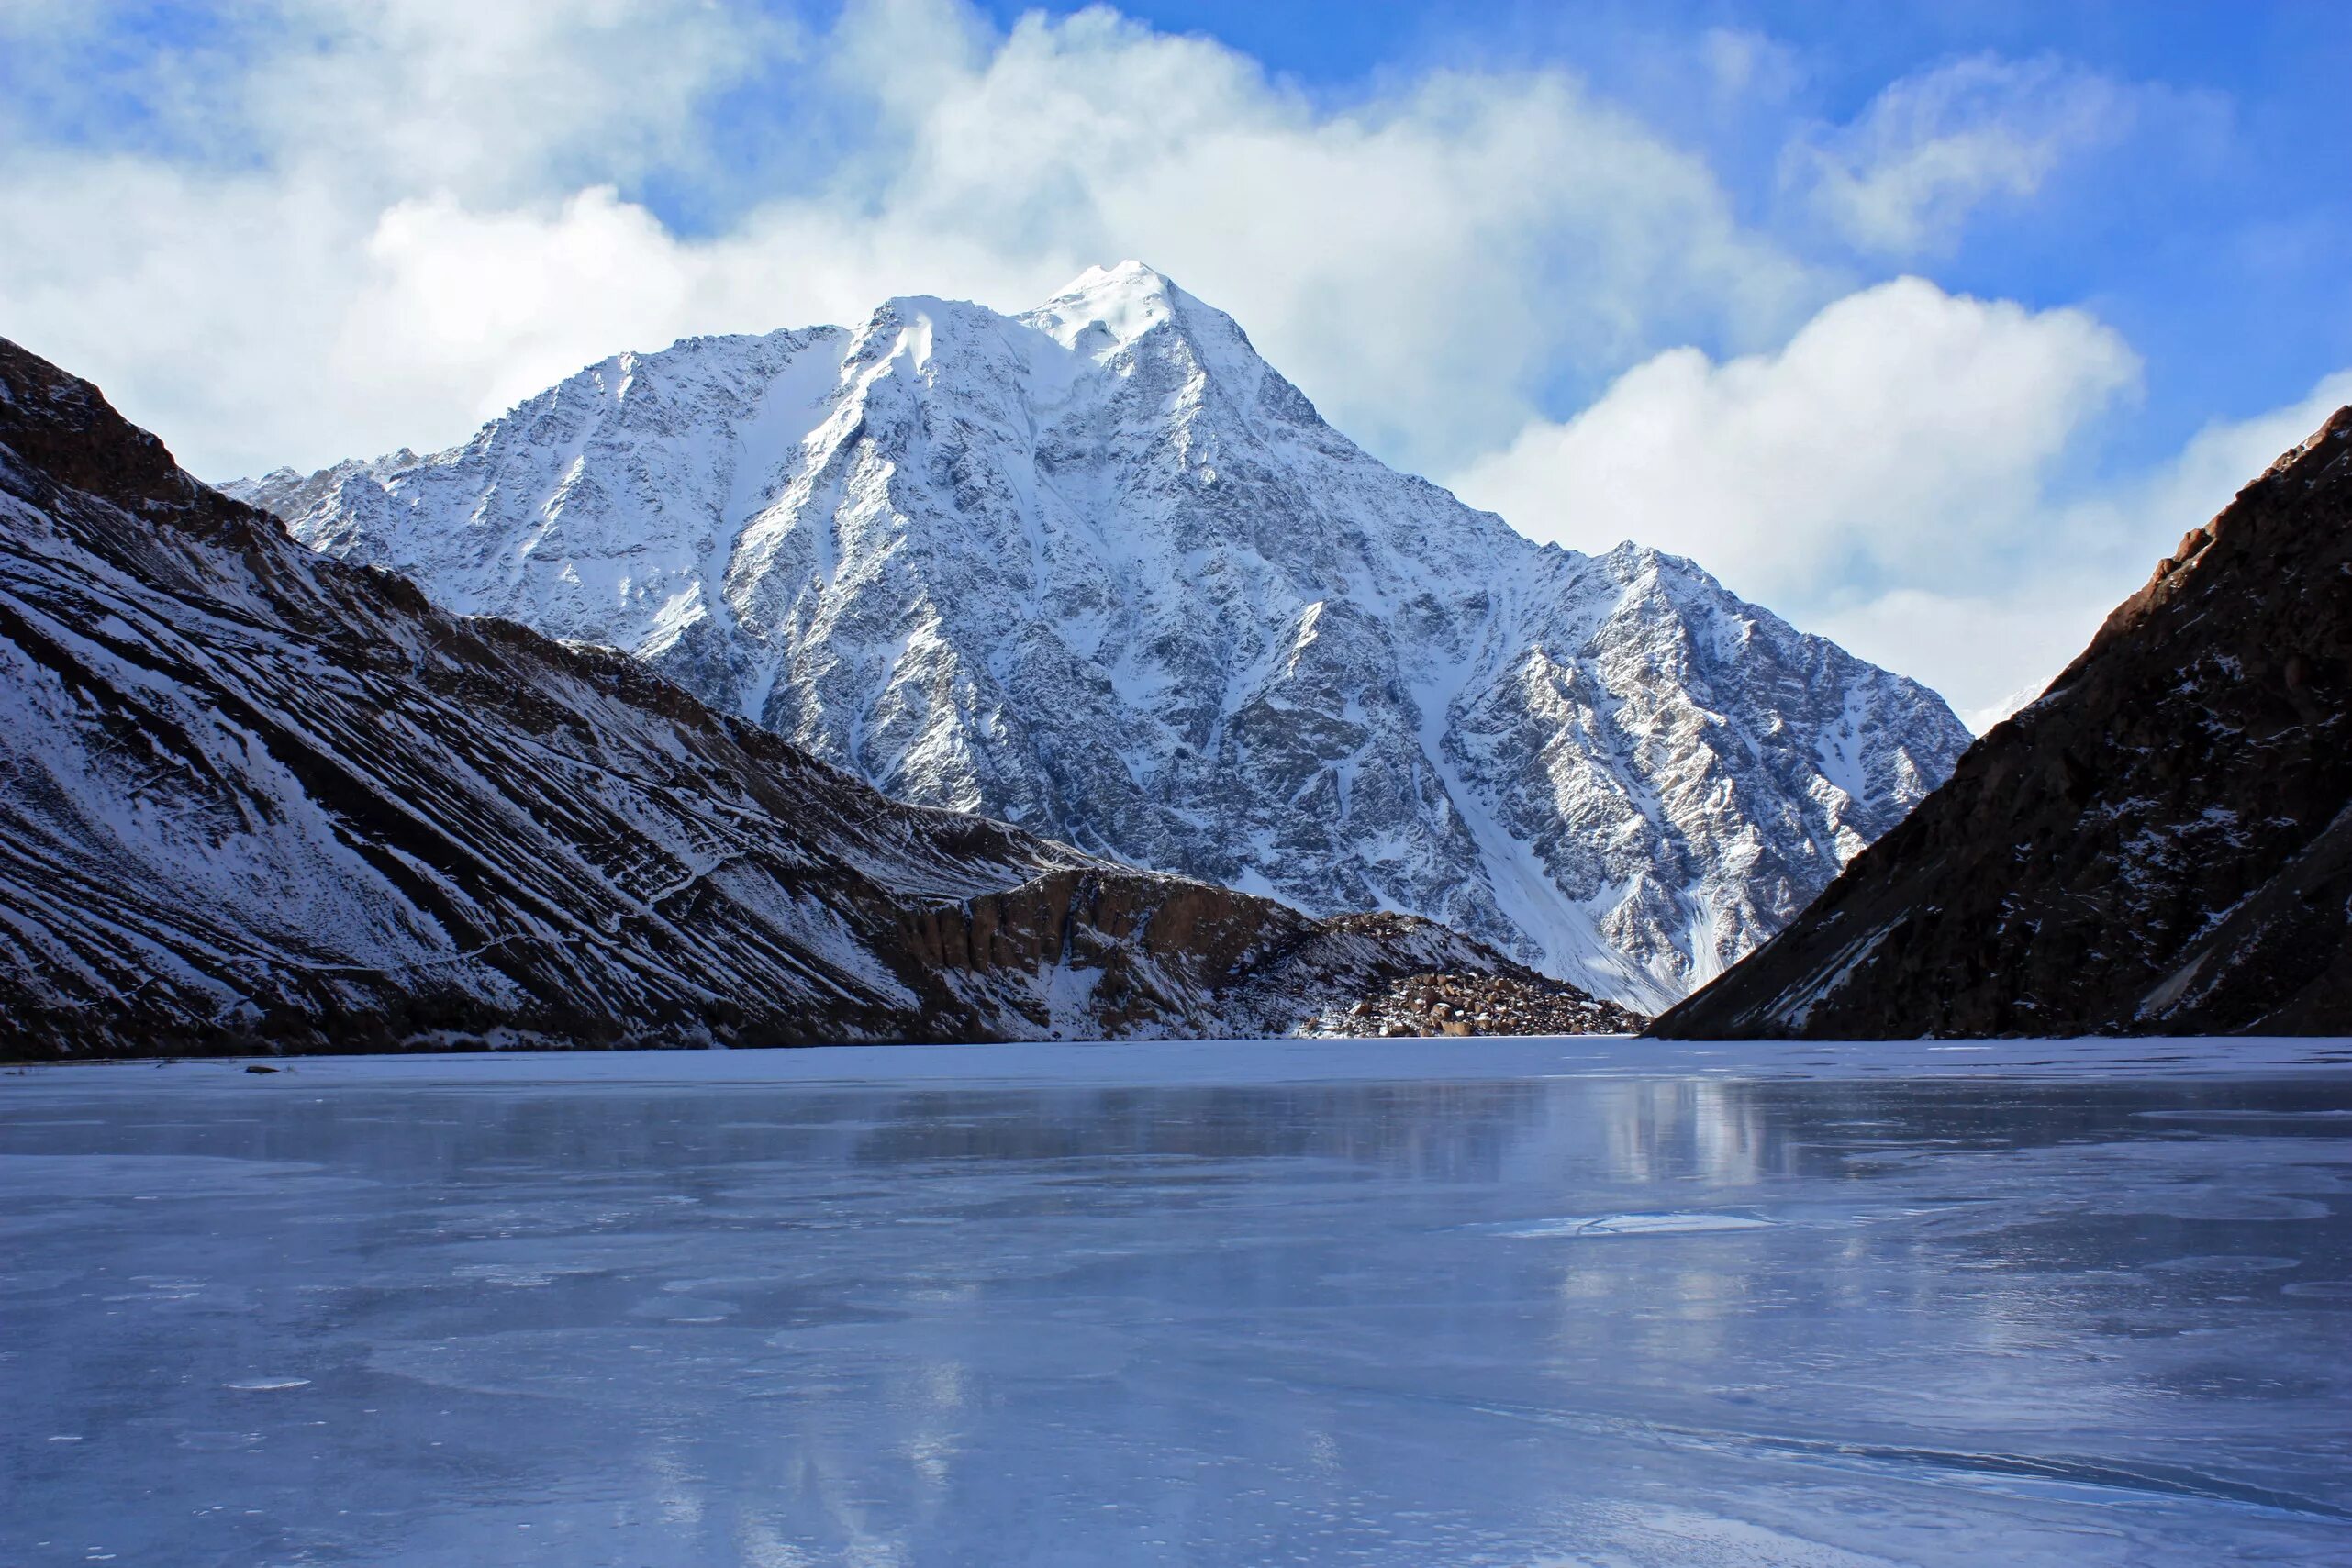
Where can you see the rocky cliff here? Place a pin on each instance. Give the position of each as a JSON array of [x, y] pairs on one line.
[[1101, 570], [2161, 844], [253, 797]]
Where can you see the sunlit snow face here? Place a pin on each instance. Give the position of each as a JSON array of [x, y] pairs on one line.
[[1101, 570]]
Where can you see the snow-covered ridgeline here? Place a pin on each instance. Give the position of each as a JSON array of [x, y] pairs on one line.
[[252, 797], [1101, 570]]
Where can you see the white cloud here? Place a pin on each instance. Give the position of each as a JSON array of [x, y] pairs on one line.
[[408, 221], [1418, 262], [1903, 433], [1743, 64], [498, 100], [1988, 653], [325, 230], [2221, 459], [1898, 477], [1994, 649], [487, 101], [1904, 175]]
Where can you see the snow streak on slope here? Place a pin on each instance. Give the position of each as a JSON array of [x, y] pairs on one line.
[[1101, 570], [250, 796]]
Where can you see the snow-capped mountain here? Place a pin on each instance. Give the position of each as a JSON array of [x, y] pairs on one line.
[[1101, 570], [251, 798]]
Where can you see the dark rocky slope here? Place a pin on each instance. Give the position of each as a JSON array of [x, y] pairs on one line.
[[2161, 844], [252, 797]]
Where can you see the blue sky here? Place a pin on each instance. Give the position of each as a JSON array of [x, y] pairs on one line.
[[1929, 327], [2219, 244]]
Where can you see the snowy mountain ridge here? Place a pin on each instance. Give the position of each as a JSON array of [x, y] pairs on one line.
[[1101, 570], [253, 798]]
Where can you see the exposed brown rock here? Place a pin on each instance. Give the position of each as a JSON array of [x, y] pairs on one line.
[[2161, 844], [255, 799]]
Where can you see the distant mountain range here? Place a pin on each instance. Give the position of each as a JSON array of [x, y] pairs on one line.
[[1100, 570], [253, 797], [2162, 844]]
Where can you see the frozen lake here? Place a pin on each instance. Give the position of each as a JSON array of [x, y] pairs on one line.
[[1396, 1303]]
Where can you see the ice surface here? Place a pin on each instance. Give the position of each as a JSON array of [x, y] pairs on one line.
[[1639, 1225], [1515, 1302]]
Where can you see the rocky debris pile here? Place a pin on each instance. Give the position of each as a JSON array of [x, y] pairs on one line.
[[1459, 1002]]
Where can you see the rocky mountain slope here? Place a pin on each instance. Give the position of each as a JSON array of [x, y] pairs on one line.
[[1101, 570], [251, 797], [2161, 844]]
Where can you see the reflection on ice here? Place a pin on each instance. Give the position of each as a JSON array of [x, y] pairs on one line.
[[1640, 1225], [2319, 1289], [1216, 1305]]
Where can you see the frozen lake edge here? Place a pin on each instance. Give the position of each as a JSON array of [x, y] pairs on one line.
[[1397, 1302], [1288, 1060]]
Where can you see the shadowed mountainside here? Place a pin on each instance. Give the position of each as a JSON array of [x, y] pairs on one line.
[[2161, 844], [251, 798]]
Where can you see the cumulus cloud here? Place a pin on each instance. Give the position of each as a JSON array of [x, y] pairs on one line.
[[488, 100], [1903, 176], [286, 232], [1423, 259], [1902, 434], [1900, 477], [2221, 459], [1992, 645], [414, 221], [207, 220]]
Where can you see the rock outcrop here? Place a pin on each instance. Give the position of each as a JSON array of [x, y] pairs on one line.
[[255, 798], [1101, 570], [2161, 844], [1465, 1005]]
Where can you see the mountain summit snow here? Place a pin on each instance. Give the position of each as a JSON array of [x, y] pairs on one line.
[[1101, 570], [255, 799]]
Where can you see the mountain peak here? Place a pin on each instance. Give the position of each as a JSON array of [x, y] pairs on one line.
[[1117, 304], [1102, 570], [1130, 276], [546, 913]]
